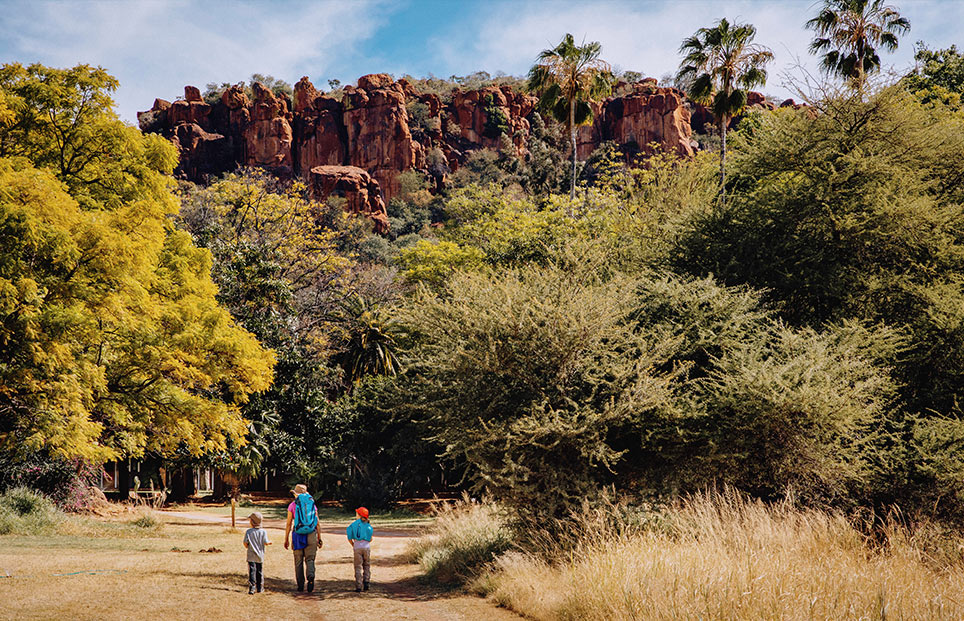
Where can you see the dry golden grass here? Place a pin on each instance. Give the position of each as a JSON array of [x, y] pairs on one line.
[[142, 577], [727, 558]]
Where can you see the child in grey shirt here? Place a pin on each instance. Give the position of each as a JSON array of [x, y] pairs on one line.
[[255, 540]]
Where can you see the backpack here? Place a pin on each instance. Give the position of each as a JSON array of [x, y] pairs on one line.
[[305, 519]]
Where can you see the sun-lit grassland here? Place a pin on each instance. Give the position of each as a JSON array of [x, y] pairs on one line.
[[140, 575], [157, 572]]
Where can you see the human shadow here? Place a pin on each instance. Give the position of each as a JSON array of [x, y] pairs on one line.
[[410, 589]]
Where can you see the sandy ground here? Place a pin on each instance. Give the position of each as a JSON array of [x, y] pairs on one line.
[[169, 575], [396, 592]]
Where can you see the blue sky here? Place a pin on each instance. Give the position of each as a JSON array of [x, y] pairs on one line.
[[155, 47]]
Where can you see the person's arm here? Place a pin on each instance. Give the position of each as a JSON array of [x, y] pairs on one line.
[[288, 529], [245, 540], [317, 524], [348, 534]]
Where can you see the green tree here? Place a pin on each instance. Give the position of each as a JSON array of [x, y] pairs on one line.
[[568, 77], [855, 214], [849, 33], [720, 65], [939, 75]]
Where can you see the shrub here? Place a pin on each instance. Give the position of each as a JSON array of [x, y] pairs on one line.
[[64, 481], [466, 537], [27, 512]]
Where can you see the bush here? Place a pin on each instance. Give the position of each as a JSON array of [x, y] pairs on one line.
[[466, 538], [64, 481], [24, 511]]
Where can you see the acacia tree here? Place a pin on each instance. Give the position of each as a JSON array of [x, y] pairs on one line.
[[720, 65], [849, 32], [568, 77]]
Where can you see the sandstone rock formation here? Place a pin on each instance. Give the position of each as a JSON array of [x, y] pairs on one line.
[[646, 115], [369, 128], [356, 186]]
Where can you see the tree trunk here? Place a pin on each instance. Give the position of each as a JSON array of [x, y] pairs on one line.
[[723, 125], [572, 131]]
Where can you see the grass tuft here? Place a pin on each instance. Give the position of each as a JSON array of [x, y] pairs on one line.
[[465, 538], [147, 520]]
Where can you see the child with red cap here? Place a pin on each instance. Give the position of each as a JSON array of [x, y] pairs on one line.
[[360, 537]]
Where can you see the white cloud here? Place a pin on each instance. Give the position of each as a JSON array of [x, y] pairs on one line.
[[157, 47]]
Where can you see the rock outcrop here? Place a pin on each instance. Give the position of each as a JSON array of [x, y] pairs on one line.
[[647, 115], [369, 128], [360, 191]]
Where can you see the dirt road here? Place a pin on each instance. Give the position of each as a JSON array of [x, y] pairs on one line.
[[396, 592]]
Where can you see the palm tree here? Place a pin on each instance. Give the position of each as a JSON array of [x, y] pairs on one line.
[[568, 77], [371, 345], [849, 33], [720, 65]]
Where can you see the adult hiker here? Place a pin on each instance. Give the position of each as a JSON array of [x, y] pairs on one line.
[[360, 537], [303, 532]]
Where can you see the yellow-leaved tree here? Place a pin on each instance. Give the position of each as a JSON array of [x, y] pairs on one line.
[[112, 342]]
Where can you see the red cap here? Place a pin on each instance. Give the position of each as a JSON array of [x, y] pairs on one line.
[[362, 512]]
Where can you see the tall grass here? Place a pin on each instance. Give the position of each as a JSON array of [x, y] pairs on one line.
[[465, 538], [720, 556]]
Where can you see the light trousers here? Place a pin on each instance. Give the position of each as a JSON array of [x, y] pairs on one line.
[[363, 568]]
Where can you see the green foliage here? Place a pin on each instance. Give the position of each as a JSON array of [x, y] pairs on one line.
[[496, 122], [64, 123], [938, 77], [371, 345], [419, 118], [281, 272], [433, 262], [213, 90], [523, 375], [853, 214]]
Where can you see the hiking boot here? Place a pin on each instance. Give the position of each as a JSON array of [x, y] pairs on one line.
[[250, 591], [311, 586], [301, 588], [357, 590], [366, 586]]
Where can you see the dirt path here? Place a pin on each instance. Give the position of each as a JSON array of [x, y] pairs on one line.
[[396, 592]]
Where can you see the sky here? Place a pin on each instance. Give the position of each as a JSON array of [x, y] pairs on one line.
[[155, 47]]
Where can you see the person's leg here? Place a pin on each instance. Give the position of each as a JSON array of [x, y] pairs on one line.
[[357, 560], [310, 551], [300, 569], [367, 566], [260, 576], [252, 578]]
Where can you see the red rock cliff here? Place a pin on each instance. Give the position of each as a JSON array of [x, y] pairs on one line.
[[369, 128]]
